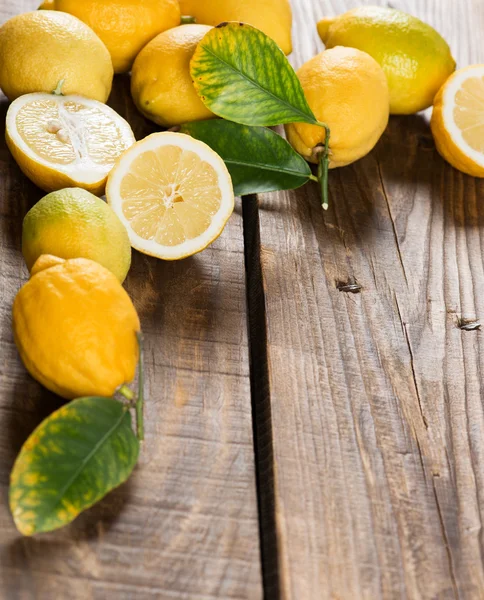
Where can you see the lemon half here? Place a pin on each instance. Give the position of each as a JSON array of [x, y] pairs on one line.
[[173, 193], [458, 120], [66, 141]]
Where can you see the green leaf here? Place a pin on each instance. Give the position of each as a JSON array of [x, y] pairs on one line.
[[242, 75], [72, 460], [258, 159]]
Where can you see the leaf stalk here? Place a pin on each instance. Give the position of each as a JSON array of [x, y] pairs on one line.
[[323, 167], [140, 425]]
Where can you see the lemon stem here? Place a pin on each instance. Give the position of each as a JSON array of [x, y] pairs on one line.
[[323, 167], [140, 423], [58, 89], [188, 20], [126, 392], [313, 178]]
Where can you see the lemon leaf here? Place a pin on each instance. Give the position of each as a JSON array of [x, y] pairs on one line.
[[257, 158], [242, 75], [72, 460]]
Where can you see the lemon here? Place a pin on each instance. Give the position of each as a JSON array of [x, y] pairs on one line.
[[75, 328], [161, 84], [458, 120], [125, 26], [415, 58], [72, 223], [173, 193], [41, 48], [347, 90], [66, 141], [47, 5], [273, 17]]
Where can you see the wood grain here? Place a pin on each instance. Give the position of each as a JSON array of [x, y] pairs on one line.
[[185, 526], [376, 397]]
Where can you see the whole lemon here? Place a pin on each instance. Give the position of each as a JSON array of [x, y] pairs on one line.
[[273, 17], [125, 26], [161, 83], [415, 58], [75, 328], [73, 223], [47, 5], [347, 90], [42, 48]]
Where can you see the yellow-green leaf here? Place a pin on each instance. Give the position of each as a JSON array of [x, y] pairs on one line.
[[72, 460], [242, 75]]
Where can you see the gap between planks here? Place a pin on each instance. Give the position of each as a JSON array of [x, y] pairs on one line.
[[261, 400]]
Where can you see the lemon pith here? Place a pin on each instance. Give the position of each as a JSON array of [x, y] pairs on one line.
[[173, 193], [66, 141]]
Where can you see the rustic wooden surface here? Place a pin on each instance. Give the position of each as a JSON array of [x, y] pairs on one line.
[[377, 397], [185, 526], [367, 408]]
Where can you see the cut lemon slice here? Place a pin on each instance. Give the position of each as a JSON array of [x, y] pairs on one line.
[[66, 141], [173, 193], [458, 120]]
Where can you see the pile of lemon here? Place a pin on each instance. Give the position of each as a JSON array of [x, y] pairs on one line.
[[170, 195]]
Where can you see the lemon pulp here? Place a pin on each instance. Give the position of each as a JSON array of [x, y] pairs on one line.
[[469, 112], [66, 141], [70, 132], [170, 195]]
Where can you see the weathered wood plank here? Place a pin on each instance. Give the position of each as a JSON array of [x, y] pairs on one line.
[[376, 398], [185, 526]]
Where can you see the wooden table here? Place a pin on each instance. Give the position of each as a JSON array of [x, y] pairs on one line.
[[303, 442]]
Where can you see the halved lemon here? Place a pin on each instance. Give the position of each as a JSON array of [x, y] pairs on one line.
[[66, 141], [173, 193], [458, 120]]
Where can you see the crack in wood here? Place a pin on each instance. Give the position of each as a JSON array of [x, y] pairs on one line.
[[446, 542], [412, 364], [394, 227], [469, 324]]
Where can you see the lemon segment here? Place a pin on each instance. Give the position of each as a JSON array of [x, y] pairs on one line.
[[458, 120], [66, 141], [173, 194]]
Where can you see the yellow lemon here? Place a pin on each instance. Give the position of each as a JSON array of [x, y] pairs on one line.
[[173, 193], [161, 83], [458, 120], [273, 17], [75, 328], [125, 26], [66, 141], [41, 48], [348, 91], [72, 223], [47, 5], [415, 58]]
